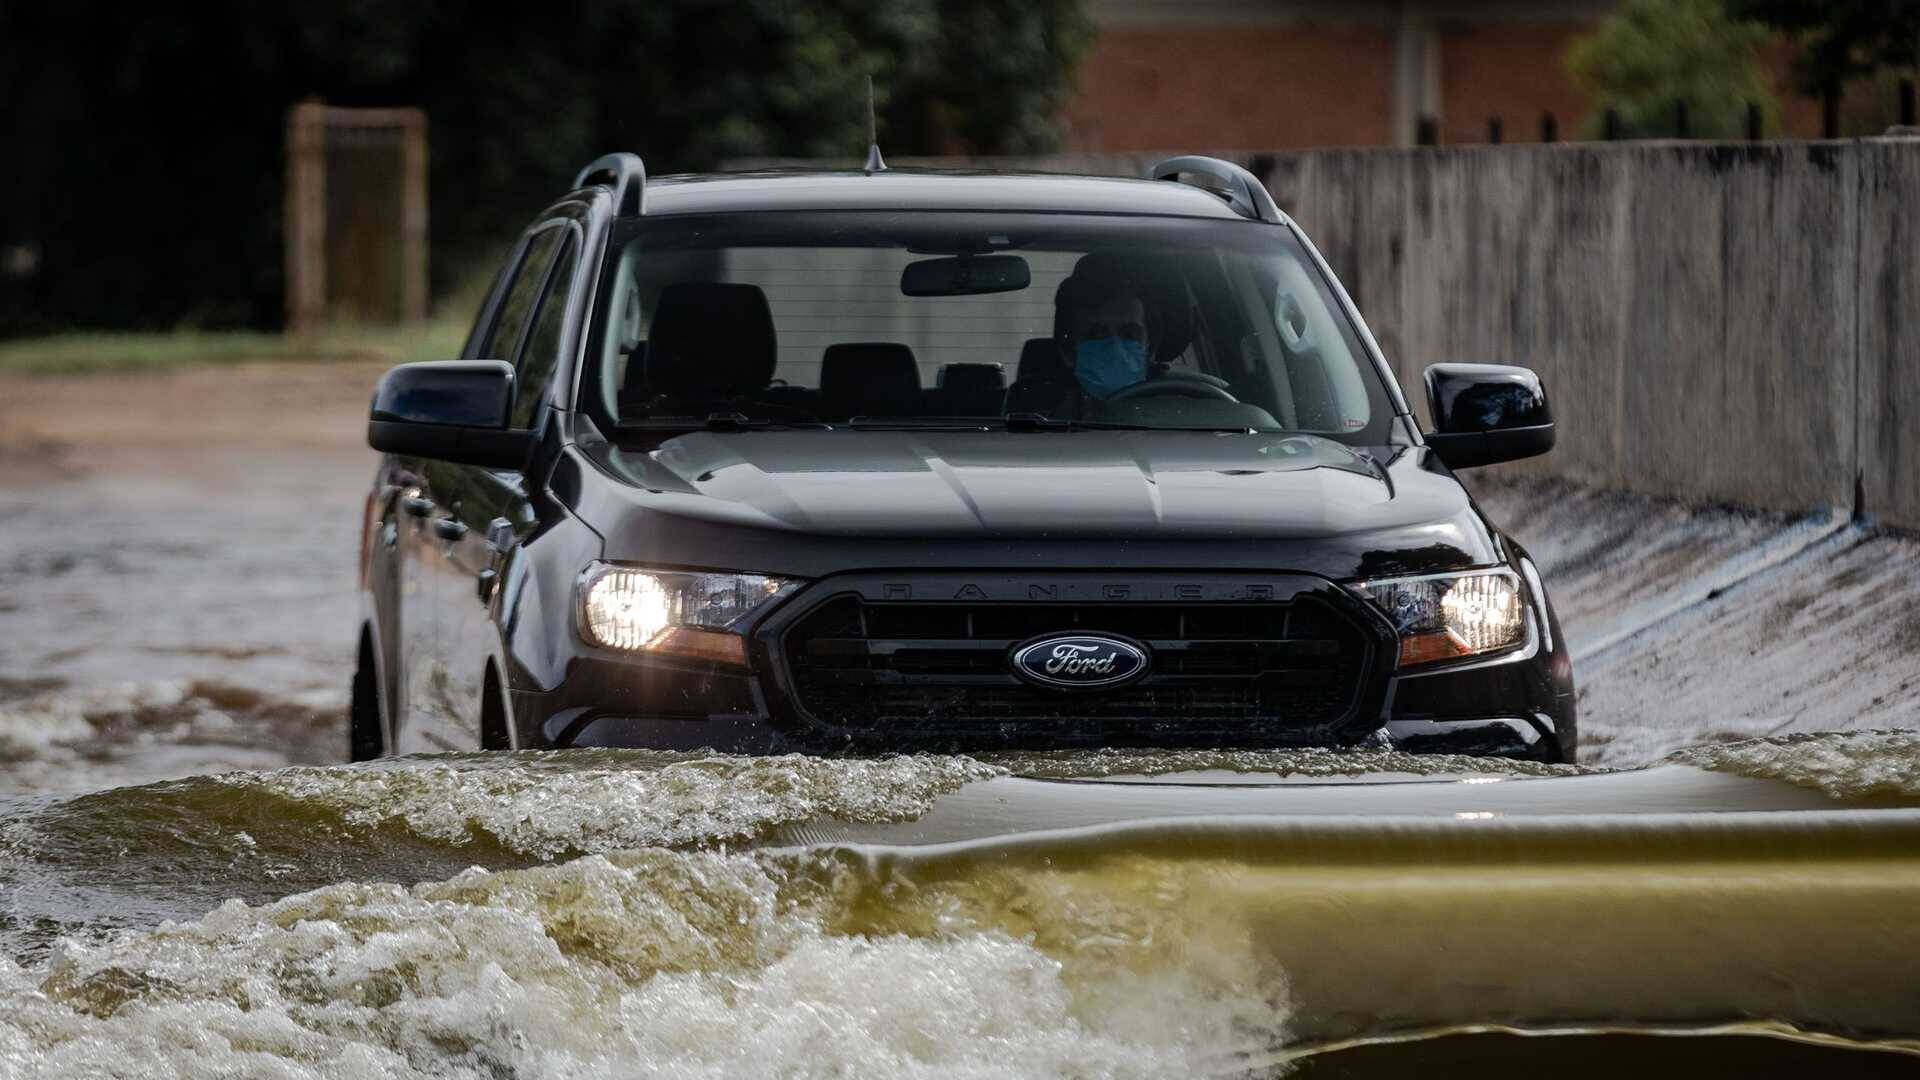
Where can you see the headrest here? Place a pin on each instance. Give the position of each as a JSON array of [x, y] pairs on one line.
[[874, 378], [710, 342], [1040, 361], [1156, 280], [967, 378]]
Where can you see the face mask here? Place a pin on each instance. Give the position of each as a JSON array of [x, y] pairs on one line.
[[1105, 365]]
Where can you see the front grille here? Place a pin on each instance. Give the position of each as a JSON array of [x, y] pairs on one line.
[[941, 667]]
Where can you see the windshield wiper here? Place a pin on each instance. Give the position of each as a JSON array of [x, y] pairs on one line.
[[924, 423], [1021, 421], [719, 421]]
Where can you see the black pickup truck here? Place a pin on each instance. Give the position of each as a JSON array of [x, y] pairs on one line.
[[889, 460]]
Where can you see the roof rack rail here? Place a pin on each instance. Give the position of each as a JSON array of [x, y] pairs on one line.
[[1243, 191], [626, 175]]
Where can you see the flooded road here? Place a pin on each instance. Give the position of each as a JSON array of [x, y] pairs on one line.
[[191, 885], [176, 572], [626, 913]]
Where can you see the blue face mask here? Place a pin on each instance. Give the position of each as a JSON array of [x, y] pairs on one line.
[[1105, 365]]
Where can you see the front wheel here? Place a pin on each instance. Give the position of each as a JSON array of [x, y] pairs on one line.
[[366, 739]]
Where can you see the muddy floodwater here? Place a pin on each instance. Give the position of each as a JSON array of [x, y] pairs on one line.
[[624, 913], [192, 885]]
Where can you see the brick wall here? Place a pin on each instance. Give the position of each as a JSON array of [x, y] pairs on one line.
[[1303, 84], [1147, 88], [1515, 71]]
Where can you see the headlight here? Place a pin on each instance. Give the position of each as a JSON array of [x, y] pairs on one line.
[[668, 612], [1449, 616]]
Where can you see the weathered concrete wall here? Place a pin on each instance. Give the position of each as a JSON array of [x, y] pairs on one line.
[[1690, 307], [1888, 328], [1721, 322]]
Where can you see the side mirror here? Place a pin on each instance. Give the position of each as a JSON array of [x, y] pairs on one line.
[[450, 410], [1487, 413]]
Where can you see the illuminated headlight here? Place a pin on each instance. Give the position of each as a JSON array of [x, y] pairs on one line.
[[1449, 616], [693, 615]]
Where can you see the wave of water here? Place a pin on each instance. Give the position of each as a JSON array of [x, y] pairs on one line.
[[618, 913], [1850, 765]]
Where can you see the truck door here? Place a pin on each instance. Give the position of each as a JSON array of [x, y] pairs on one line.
[[466, 500]]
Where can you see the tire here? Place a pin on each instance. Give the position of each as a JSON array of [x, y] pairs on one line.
[[493, 715], [366, 738]]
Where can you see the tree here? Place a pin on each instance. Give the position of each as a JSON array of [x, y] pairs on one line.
[[144, 144], [1842, 39], [1651, 56]]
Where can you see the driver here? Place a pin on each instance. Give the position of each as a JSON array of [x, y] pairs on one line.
[[1105, 338]]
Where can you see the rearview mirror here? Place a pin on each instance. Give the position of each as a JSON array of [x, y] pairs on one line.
[[1487, 413], [965, 275], [449, 410]]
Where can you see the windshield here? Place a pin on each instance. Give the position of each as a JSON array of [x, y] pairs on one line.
[[865, 319]]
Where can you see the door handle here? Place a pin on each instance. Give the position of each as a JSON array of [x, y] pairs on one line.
[[447, 528], [500, 534], [417, 505]]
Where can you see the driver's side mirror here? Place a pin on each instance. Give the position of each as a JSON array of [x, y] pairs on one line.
[[449, 410], [1487, 413]]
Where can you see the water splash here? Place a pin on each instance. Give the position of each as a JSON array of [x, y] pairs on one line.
[[1293, 763], [1844, 765], [648, 964], [547, 804]]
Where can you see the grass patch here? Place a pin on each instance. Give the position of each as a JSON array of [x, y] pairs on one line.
[[82, 352]]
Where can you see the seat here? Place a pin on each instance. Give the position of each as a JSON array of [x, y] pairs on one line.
[[972, 389], [1042, 382], [869, 378], [1039, 361], [711, 344]]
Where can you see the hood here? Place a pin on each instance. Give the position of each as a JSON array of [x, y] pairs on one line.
[[1118, 487], [1082, 484]]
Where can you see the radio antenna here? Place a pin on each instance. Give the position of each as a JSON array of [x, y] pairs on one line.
[[875, 163]]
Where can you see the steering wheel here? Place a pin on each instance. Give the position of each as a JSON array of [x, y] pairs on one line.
[[1175, 384]]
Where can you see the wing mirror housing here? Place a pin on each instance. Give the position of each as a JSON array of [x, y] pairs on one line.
[[448, 410], [1487, 413]]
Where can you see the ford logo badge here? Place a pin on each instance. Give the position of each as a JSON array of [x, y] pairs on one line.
[[1079, 661]]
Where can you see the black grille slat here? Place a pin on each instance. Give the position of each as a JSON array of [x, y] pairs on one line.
[[885, 664]]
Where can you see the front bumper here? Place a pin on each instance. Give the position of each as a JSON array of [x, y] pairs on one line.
[[1515, 705]]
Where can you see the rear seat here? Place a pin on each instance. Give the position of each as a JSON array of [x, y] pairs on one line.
[[869, 378], [970, 390]]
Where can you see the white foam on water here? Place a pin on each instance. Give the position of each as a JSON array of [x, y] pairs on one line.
[[121, 734], [545, 804], [1305, 763], [1844, 765], [656, 964]]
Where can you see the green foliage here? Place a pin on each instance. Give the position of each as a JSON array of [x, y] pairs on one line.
[[1842, 39], [1651, 55], [87, 352], [144, 142]]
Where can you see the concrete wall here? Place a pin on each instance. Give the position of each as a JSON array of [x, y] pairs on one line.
[[1889, 329], [1721, 322]]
